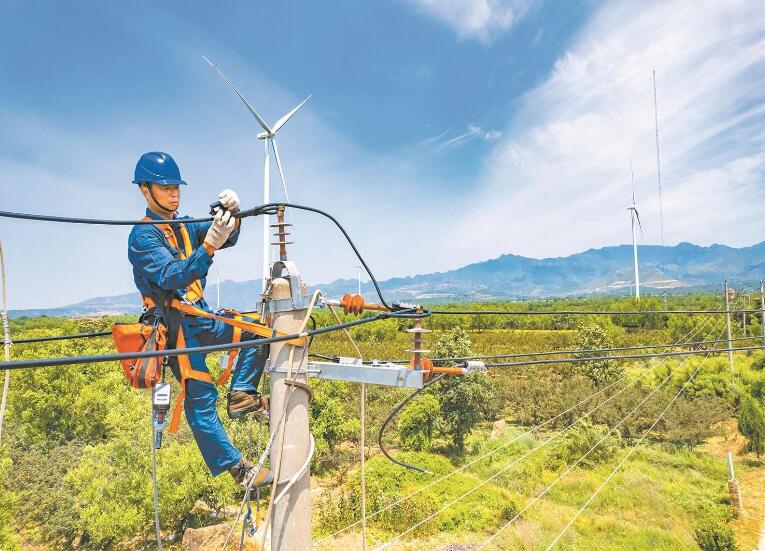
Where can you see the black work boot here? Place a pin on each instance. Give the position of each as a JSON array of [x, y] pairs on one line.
[[239, 403], [246, 474]]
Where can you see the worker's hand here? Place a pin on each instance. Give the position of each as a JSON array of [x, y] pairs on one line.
[[222, 227], [229, 199]]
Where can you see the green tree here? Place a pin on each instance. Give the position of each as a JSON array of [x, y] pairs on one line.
[[464, 401], [592, 335], [416, 425], [331, 422], [751, 423]]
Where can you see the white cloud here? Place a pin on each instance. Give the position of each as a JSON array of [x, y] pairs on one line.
[[476, 19], [566, 156], [442, 141]]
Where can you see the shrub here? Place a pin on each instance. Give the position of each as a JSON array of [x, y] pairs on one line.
[[593, 335], [714, 535], [416, 425], [751, 423], [585, 438], [7, 540]]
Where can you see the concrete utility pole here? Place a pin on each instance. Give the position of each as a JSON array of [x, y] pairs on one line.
[[291, 516], [727, 322], [6, 345]]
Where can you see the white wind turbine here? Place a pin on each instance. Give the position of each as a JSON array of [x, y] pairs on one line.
[[634, 215], [269, 138]]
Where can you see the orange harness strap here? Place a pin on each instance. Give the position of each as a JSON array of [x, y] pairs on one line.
[[194, 291], [232, 354], [187, 372], [252, 327]]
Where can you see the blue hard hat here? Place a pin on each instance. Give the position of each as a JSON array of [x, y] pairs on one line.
[[157, 167]]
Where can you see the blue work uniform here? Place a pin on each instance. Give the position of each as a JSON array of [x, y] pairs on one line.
[[159, 273]]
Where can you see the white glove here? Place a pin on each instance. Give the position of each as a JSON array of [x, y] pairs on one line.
[[222, 227], [229, 199]]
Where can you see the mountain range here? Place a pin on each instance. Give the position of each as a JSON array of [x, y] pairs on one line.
[[608, 270]]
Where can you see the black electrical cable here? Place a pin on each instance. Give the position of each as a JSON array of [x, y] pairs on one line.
[[323, 357], [313, 326], [60, 337], [73, 360], [106, 222], [584, 351], [624, 357], [583, 312], [271, 208], [390, 417]]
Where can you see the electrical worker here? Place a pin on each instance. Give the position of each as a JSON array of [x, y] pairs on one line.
[[172, 262]]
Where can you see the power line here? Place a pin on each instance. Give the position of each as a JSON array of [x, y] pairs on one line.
[[691, 333], [60, 337], [557, 352], [624, 357], [624, 459], [583, 312], [73, 360], [577, 462], [507, 467]]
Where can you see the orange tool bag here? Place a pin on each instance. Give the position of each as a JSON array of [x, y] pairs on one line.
[[140, 337]]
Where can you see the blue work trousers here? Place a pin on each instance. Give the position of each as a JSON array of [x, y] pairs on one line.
[[201, 397]]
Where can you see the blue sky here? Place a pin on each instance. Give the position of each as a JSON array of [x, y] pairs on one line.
[[441, 132]]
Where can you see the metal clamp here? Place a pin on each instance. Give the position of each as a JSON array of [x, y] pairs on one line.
[[473, 366], [300, 297]]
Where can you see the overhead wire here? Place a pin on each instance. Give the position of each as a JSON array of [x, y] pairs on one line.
[[575, 351], [60, 337], [266, 209], [583, 312], [110, 222], [692, 332], [578, 461], [624, 357], [519, 459], [74, 360], [625, 458], [362, 435]]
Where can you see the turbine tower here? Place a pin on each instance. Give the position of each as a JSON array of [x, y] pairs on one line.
[[269, 141], [634, 215]]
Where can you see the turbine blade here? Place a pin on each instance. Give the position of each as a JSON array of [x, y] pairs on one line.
[[241, 97], [637, 215], [279, 166], [281, 122]]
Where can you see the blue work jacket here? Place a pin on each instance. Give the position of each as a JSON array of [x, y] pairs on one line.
[[157, 266]]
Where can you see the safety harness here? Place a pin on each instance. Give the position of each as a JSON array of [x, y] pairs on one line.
[[194, 293]]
